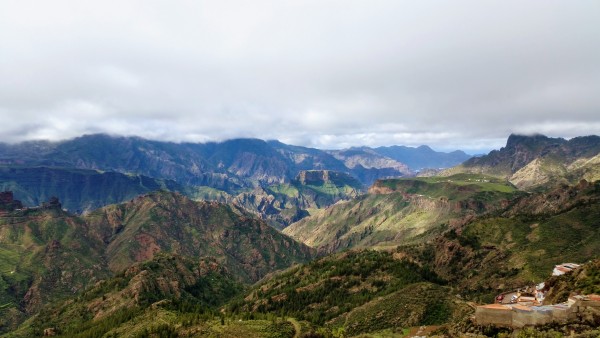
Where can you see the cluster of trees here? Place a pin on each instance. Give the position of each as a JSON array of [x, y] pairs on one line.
[[326, 288]]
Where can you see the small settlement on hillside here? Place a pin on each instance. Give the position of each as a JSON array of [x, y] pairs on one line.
[[523, 307]]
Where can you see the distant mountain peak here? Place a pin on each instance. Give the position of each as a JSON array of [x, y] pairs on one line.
[[423, 156], [533, 139], [535, 160]]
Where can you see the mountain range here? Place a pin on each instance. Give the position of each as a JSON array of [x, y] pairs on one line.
[[261, 239], [229, 165], [92, 171]]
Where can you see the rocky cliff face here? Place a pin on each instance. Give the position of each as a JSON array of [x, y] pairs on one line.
[[533, 161], [8, 202], [169, 222], [287, 203], [78, 190], [82, 191], [230, 166]]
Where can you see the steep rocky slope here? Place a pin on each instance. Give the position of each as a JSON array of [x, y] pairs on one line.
[[533, 161], [169, 222], [399, 211], [551, 171], [283, 204], [82, 190]]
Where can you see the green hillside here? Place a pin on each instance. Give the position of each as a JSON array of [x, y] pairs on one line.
[[170, 222], [167, 286], [519, 244], [345, 291], [45, 255], [399, 211], [48, 255]]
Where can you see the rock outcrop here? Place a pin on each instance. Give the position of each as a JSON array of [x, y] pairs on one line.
[[8, 203]]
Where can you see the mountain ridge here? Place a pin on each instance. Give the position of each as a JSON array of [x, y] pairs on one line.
[[48, 255], [227, 165], [537, 160], [423, 156]]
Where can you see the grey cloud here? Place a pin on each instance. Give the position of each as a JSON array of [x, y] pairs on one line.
[[332, 74]]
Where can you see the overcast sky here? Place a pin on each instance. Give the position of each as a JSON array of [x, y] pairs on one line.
[[326, 74]]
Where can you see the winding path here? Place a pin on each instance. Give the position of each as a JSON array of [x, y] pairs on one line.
[[297, 326]]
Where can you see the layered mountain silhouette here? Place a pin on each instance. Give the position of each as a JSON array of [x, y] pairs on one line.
[[259, 238], [259, 176], [423, 157], [228, 166]]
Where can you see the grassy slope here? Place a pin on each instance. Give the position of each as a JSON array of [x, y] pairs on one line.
[[455, 187], [549, 171], [365, 221], [415, 305], [536, 245], [398, 211]]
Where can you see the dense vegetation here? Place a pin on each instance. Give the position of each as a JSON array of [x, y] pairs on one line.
[[191, 290], [329, 291]]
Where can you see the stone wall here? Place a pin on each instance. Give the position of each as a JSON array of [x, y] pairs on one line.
[[518, 316], [499, 315]]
